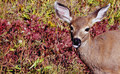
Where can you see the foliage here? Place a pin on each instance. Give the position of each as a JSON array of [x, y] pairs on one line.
[[33, 40], [24, 42]]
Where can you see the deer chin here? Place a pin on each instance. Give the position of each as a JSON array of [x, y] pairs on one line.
[[76, 46]]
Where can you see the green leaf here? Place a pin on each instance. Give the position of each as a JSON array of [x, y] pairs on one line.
[[39, 70], [26, 16], [35, 64], [11, 49], [9, 70], [29, 7], [41, 60], [111, 21], [4, 34], [118, 15], [26, 10], [48, 67], [18, 67], [90, 1]]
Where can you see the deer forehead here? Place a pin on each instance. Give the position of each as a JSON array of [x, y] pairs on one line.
[[81, 22]]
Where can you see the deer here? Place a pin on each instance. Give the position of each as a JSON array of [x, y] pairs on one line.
[[102, 53]]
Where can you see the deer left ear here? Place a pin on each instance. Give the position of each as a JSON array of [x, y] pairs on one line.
[[100, 13]]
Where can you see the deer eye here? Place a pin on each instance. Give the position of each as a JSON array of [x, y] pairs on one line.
[[87, 29], [71, 28]]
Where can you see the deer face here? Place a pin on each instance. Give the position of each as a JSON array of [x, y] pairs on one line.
[[80, 26], [80, 30]]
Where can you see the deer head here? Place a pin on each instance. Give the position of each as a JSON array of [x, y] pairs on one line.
[[81, 25]]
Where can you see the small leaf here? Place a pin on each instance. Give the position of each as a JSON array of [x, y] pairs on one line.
[[90, 1], [48, 67], [18, 67], [9, 70], [29, 7], [51, 24], [41, 60], [26, 16], [36, 62], [11, 49], [4, 34], [39, 70]]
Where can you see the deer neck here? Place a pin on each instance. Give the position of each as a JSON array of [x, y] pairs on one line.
[[85, 50]]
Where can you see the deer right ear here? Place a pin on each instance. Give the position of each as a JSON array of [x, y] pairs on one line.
[[62, 12]]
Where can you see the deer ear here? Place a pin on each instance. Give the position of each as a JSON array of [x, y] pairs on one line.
[[62, 12], [100, 13]]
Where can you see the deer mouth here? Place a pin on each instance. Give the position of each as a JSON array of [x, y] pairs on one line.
[[76, 46]]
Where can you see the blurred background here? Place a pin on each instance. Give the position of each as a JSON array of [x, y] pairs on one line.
[[34, 40]]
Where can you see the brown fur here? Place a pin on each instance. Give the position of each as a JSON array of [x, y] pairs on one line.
[[101, 54]]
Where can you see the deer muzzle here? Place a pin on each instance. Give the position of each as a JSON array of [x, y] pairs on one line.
[[76, 42]]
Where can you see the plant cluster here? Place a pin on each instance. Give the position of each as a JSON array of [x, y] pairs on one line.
[[22, 43], [101, 27], [33, 40]]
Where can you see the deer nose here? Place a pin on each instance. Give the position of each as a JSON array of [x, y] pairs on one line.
[[76, 42]]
